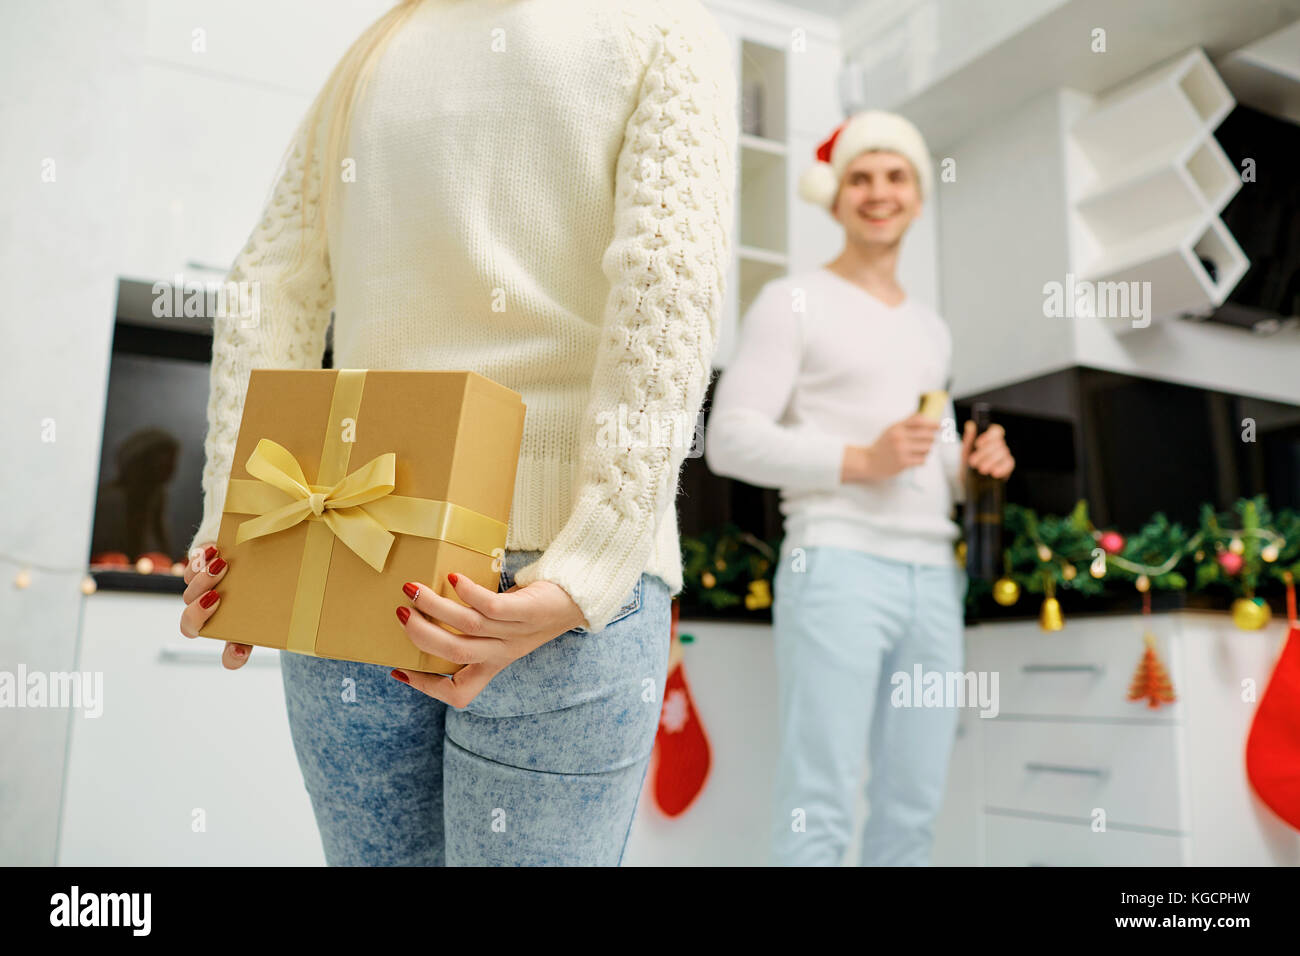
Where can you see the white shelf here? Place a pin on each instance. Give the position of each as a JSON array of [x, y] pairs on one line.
[[1154, 114], [1155, 189], [1146, 191]]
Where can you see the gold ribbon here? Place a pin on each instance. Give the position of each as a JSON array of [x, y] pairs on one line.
[[357, 508]]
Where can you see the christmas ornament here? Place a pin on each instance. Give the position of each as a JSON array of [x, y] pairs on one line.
[[759, 596], [1269, 553], [681, 751], [1230, 561], [1236, 545], [1069, 571], [707, 579], [1044, 553], [1006, 591], [1112, 542], [1050, 617], [1273, 744], [1151, 680], [1250, 613], [1143, 583]]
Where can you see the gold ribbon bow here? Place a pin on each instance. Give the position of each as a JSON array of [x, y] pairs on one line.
[[339, 505]]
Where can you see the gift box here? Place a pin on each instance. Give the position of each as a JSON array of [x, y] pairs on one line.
[[347, 483]]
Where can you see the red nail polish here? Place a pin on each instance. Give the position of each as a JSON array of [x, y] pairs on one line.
[[411, 590], [211, 553], [208, 599], [403, 613], [217, 566], [402, 677], [452, 577]]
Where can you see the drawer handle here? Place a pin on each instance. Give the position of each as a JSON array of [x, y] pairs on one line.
[[1062, 768], [1063, 668], [199, 655]]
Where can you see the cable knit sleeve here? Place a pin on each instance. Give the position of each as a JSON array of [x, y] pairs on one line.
[[666, 264], [287, 329]]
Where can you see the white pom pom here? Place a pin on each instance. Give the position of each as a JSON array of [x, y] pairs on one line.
[[818, 184]]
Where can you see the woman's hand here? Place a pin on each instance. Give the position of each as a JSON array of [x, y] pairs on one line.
[[497, 628], [204, 569], [988, 454]]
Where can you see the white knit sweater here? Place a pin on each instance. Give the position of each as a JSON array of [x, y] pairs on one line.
[[543, 195], [823, 364]]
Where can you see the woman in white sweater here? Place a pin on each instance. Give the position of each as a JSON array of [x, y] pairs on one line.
[[540, 191]]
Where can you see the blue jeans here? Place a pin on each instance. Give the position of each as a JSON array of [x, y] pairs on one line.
[[843, 626], [544, 767]]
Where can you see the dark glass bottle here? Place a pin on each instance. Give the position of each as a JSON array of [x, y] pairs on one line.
[[982, 514]]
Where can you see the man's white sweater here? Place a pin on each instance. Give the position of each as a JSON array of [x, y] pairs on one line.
[[543, 194], [822, 364]]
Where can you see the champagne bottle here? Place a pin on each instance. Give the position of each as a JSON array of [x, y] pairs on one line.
[[983, 512]]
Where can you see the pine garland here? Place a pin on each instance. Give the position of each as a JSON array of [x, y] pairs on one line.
[[725, 568]]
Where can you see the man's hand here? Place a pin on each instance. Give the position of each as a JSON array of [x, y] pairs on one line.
[[496, 629], [988, 454], [904, 444]]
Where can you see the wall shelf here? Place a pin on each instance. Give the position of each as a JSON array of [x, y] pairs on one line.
[[1149, 181]]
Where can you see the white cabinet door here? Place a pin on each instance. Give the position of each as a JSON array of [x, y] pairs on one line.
[[180, 739]]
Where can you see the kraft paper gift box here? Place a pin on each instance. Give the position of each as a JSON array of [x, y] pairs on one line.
[[347, 483]]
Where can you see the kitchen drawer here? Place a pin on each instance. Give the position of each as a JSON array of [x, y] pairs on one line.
[[1024, 841], [1068, 768], [1082, 671]]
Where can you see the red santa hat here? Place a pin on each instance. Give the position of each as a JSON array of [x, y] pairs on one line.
[[860, 133]]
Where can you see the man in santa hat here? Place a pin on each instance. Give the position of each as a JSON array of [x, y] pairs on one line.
[[821, 401]]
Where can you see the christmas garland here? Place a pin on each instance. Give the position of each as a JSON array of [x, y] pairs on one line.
[[1244, 550]]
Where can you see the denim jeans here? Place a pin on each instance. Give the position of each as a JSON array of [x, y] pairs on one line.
[[844, 624], [544, 767]]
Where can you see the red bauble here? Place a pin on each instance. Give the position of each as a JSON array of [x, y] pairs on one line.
[[1112, 542], [1230, 562]]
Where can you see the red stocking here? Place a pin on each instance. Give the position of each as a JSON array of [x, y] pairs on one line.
[[681, 748], [1273, 746]]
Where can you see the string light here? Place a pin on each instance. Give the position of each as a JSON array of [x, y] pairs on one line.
[[1269, 552], [23, 578]]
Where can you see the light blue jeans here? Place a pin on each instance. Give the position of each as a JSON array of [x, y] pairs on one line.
[[544, 767], [843, 626]]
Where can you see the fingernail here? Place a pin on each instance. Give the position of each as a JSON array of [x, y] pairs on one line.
[[240, 651], [411, 590], [211, 553], [217, 566], [208, 599], [402, 677], [403, 613], [452, 577]]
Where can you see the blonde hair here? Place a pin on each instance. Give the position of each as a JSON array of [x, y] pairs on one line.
[[333, 105]]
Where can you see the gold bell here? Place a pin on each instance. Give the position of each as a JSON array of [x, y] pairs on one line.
[[1050, 617]]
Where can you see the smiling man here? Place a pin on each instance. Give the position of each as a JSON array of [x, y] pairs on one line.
[[820, 401]]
